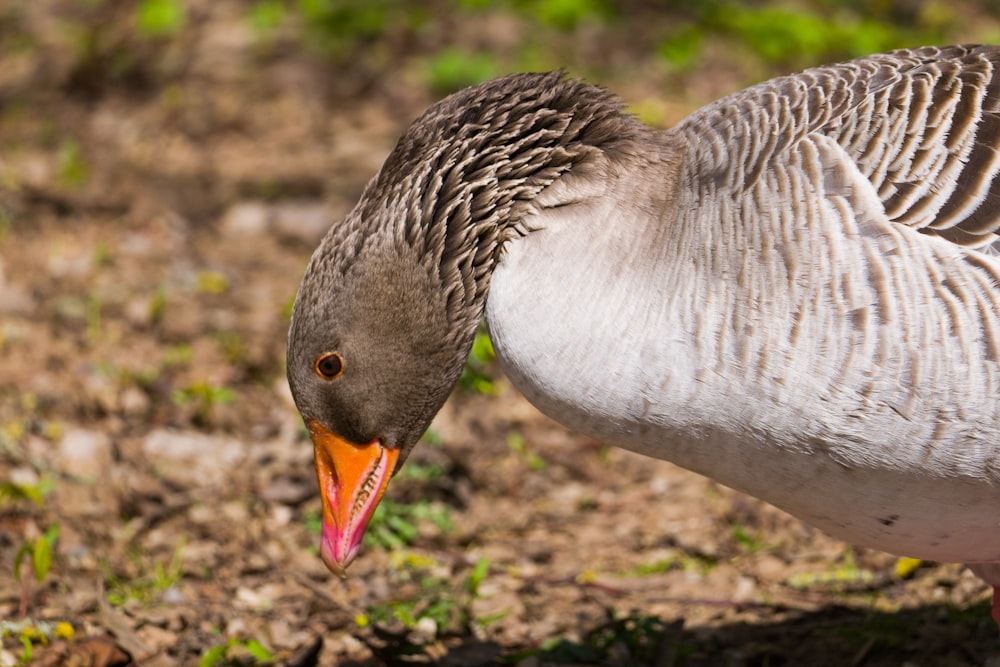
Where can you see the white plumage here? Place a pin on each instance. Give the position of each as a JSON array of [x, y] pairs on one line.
[[795, 291], [769, 296]]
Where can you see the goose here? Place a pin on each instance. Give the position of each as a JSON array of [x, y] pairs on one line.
[[795, 292]]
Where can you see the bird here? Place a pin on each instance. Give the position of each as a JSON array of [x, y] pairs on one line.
[[795, 291]]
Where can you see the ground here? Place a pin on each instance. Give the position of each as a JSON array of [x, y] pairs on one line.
[[157, 211]]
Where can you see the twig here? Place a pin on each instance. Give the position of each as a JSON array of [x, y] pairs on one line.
[[123, 632], [304, 580]]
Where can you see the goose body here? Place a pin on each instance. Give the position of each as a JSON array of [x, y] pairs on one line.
[[794, 292]]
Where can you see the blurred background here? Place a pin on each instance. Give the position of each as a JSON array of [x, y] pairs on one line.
[[167, 167]]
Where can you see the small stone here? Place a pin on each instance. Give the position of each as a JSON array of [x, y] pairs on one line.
[[493, 605], [156, 637], [199, 557], [197, 458], [255, 563], [424, 631], [260, 599], [301, 221], [138, 310], [289, 491], [568, 495], [137, 244], [659, 485], [69, 263], [11, 332], [202, 514], [134, 401], [235, 511], [84, 453], [15, 300], [281, 515], [771, 568], [284, 636], [280, 388], [23, 476], [351, 645], [173, 595], [247, 218], [745, 590], [251, 598], [103, 391], [236, 627]]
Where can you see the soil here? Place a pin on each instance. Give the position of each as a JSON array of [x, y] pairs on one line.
[[158, 203]]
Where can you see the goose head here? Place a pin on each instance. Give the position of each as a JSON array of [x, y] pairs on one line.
[[391, 299], [370, 361]]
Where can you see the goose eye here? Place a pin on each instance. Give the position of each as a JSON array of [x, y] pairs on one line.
[[330, 365]]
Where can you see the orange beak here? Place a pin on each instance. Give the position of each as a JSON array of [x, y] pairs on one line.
[[352, 479]]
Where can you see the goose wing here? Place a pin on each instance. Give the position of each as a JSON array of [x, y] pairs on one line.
[[921, 126]]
